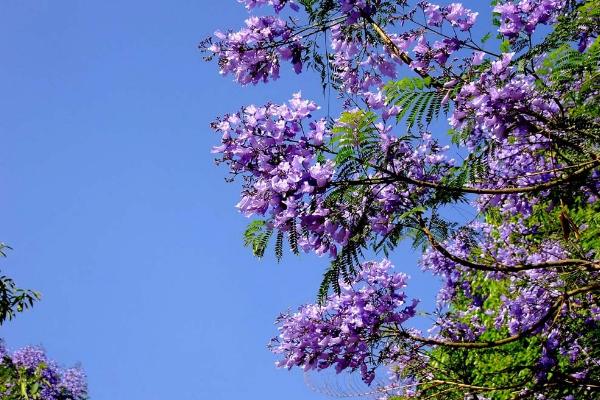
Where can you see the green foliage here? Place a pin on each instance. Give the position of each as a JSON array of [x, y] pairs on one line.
[[355, 138], [405, 227], [257, 237], [318, 10], [564, 64], [12, 299], [18, 383], [588, 218], [357, 145], [279, 246], [419, 102], [343, 266], [15, 384], [515, 363], [505, 46]]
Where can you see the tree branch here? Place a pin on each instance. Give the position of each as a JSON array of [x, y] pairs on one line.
[[405, 58], [501, 267], [496, 343]]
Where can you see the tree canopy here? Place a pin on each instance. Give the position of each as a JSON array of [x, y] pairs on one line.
[[518, 313]]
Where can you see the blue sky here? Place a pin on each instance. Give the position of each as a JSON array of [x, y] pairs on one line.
[[117, 214]]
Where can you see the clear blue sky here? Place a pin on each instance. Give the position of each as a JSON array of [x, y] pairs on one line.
[[117, 214]]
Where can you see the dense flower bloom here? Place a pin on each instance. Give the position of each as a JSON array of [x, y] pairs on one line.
[[526, 15], [339, 333], [456, 14], [434, 14], [55, 383], [518, 270], [284, 178]]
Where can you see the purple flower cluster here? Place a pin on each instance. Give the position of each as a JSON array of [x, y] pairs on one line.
[[440, 51], [354, 9], [284, 179], [456, 14], [277, 5], [253, 53], [341, 332], [526, 15], [507, 109], [450, 271], [55, 383], [496, 100], [422, 160], [361, 65], [358, 75], [529, 296]]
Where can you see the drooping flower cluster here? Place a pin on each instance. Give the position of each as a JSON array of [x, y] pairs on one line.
[[361, 65], [441, 52], [253, 53], [341, 332], [284, 178], [30, 367]]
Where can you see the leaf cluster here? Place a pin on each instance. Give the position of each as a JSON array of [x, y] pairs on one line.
[[418, 100], [13, 299]]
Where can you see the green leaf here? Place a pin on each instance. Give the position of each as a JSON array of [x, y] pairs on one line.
[[418, 102]]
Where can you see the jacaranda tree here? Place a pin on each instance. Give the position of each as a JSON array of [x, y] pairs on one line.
[[518, 312], [27, 373]]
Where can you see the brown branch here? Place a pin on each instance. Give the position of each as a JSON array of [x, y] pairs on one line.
[[393, 178], [502, 267], [474, 387], [509, 190], [496, 343], [405, 58]]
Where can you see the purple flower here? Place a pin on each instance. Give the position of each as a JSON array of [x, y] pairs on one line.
[[73, 381], [29, 357], [477, 58], [500, 66], [510, 19], [460, 16], [322, 173], [434, 15]]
